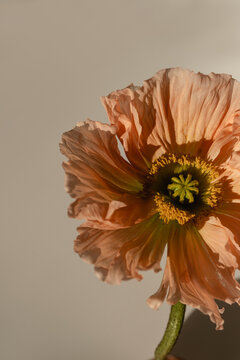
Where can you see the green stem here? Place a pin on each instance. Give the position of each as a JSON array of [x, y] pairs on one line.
[[172, 331]]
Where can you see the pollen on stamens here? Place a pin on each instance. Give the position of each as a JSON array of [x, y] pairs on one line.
[[206, 168], [179, 203], [167, 211]]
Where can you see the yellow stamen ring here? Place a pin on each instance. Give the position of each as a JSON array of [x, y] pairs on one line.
[[184, 189], [168, 211]]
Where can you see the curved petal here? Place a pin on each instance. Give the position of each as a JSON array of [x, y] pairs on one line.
[[219, 240], [194, 275], [230, 182], [174, 111], [104, 184], [119, 254], [233, 162], [229, 217], [192, 108], [114, 214], [229, 209], [96, 163], [231, 177], [226, 145], [132, 111]]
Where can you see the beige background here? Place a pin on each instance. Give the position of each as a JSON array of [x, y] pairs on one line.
[[57, 59]]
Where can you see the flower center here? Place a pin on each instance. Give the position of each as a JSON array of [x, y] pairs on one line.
[[183, 187]]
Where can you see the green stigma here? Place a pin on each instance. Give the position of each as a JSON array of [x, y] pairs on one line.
[[184, 188]]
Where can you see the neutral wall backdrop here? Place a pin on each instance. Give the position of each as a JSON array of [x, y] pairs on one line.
[[57, 58]]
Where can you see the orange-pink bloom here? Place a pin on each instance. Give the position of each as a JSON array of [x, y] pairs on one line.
[[178, 189]]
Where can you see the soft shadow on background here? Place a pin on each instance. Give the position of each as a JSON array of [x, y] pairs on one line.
[[200, 341]]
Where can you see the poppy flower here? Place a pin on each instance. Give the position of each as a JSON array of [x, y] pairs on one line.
[[177, 187]]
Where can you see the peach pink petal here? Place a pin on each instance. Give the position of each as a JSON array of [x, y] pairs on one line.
[[191, 109], [231, 173], [230, 179], [115, 214], [226, 142], [194, 275], [132, 112], [103, 183], [176, 110], [219, 240], [95, 160], [229, 217], [119, 254]]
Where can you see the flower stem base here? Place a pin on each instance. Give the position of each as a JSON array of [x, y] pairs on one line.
[[172, 331]]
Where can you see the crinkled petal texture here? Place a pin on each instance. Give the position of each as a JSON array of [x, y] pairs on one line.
[[175, 111], [180, 112], [105, 186], [119, 254], [200, 268]]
